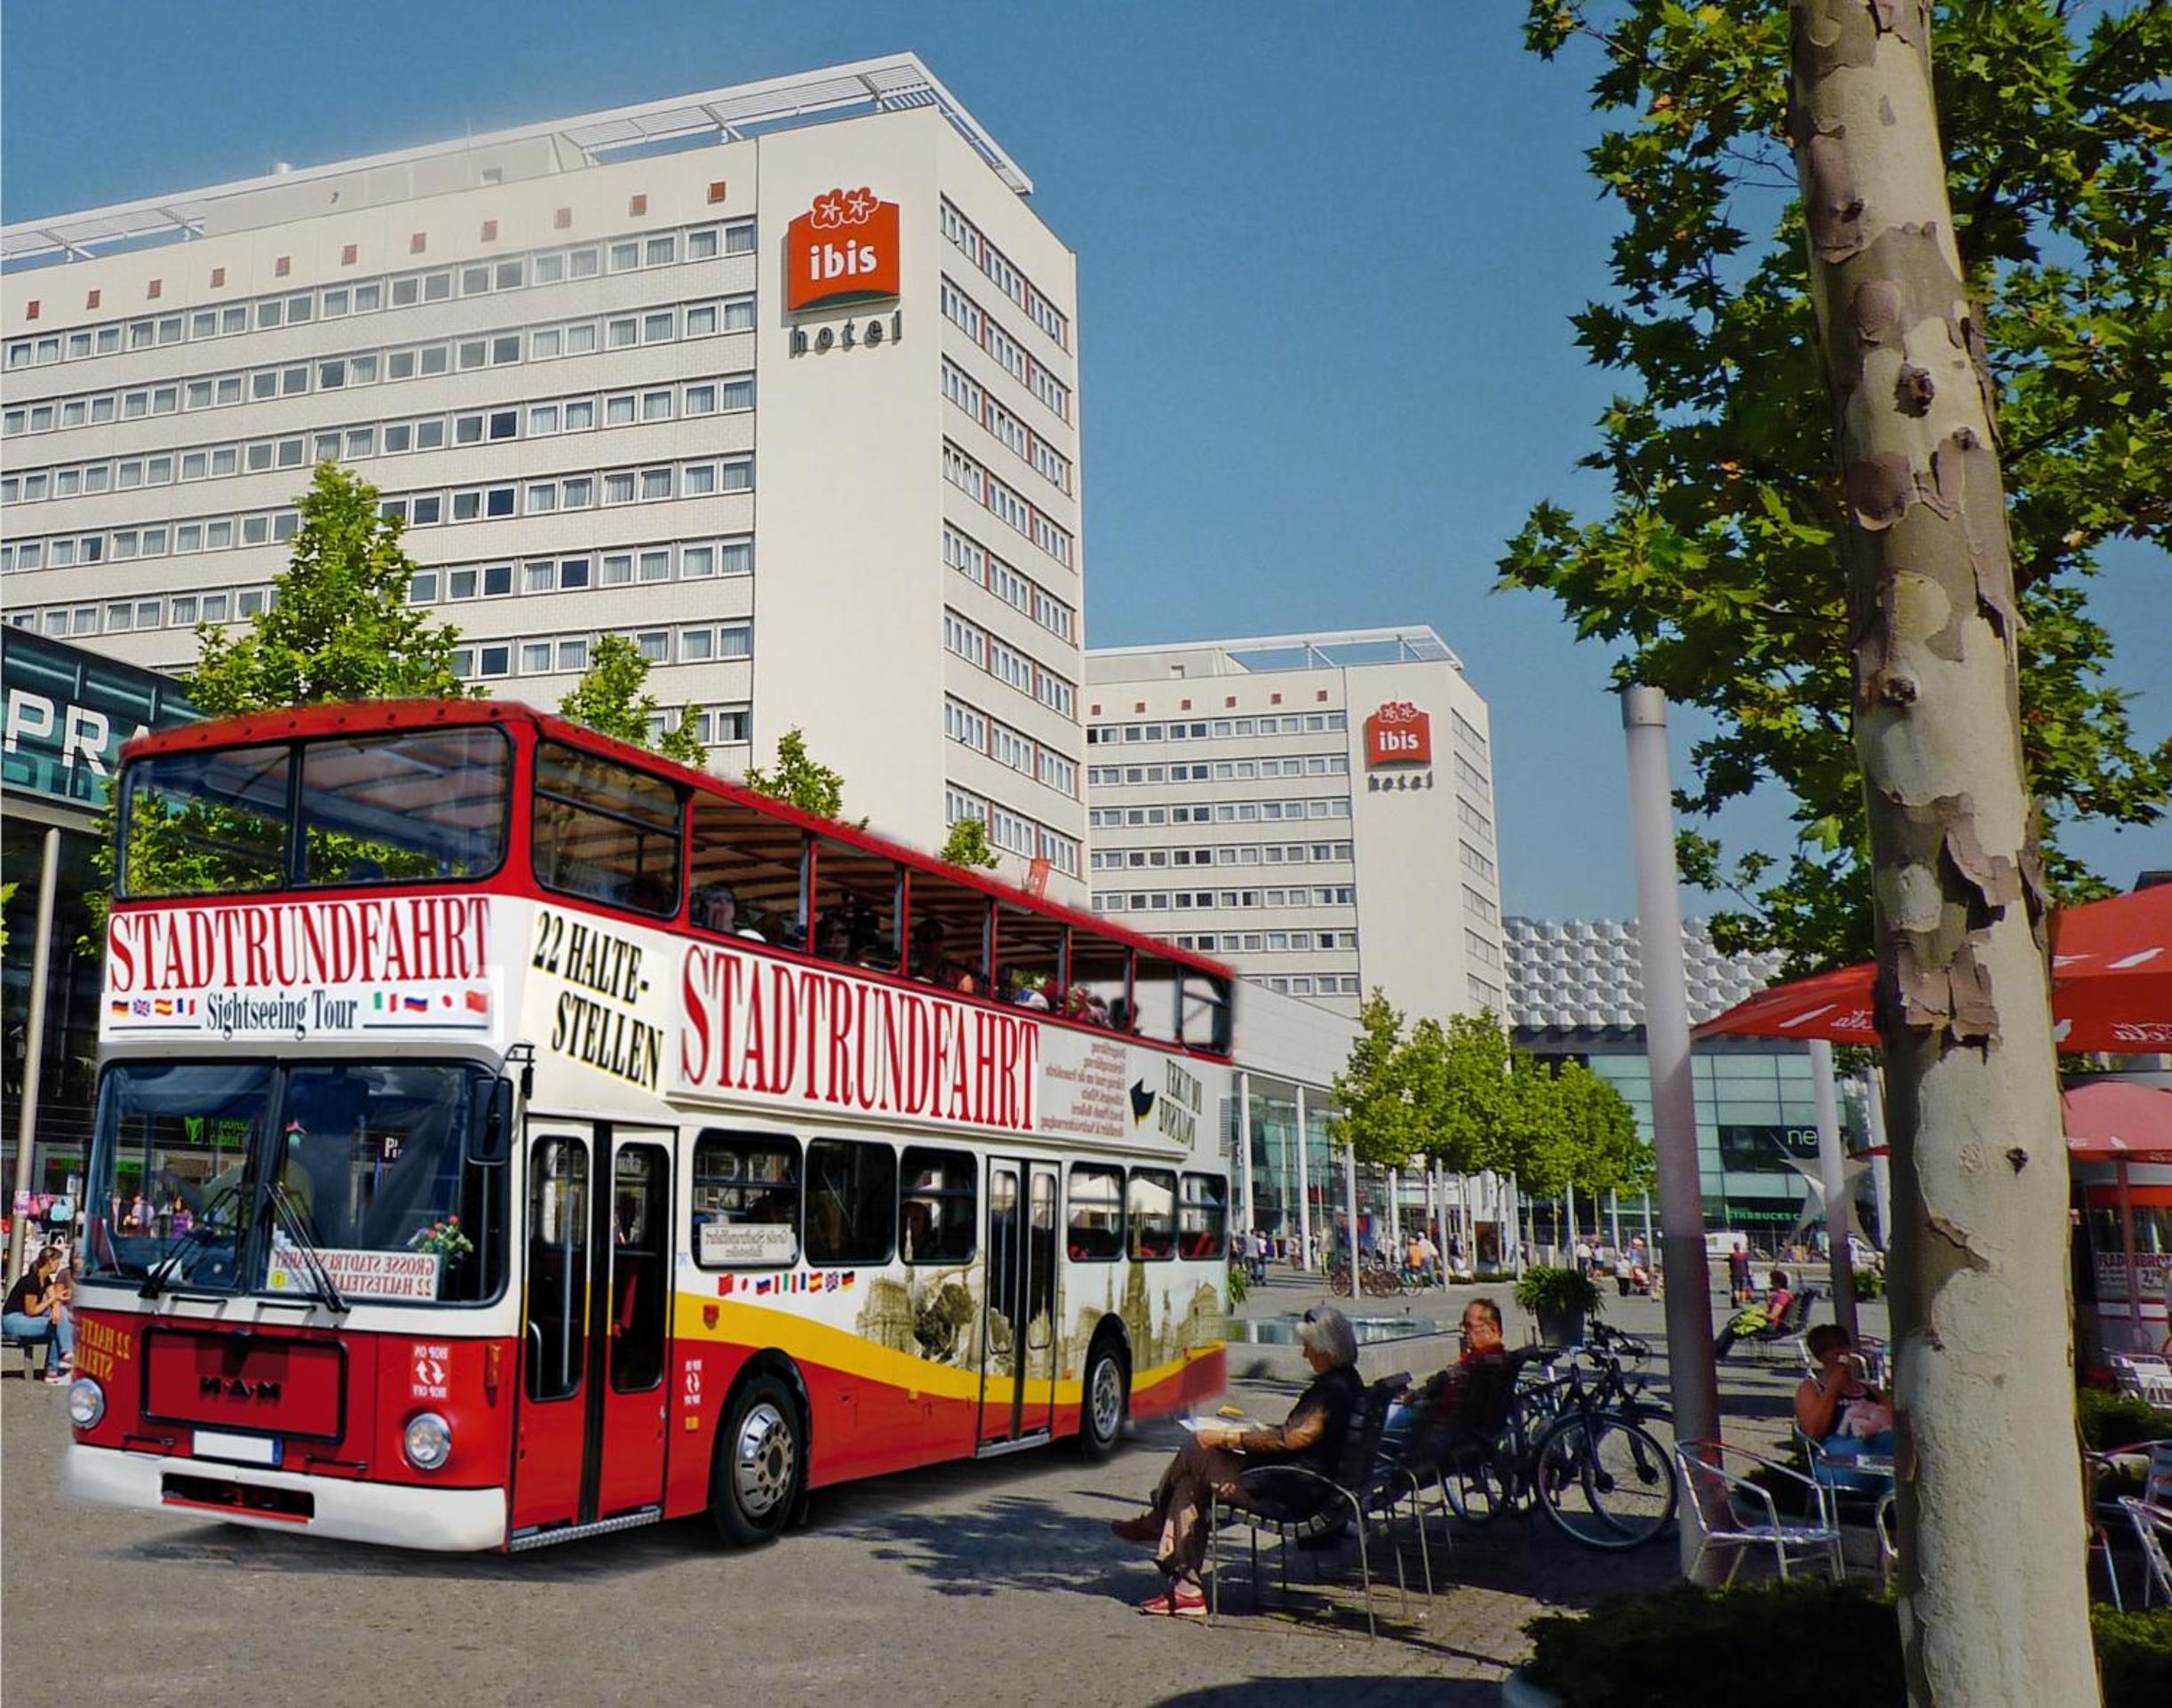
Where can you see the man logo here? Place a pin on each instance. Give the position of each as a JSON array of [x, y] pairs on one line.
[[1398, 734], [841, 252]]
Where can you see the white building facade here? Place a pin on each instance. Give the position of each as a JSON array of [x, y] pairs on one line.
[[795, 408], [1316, 810]]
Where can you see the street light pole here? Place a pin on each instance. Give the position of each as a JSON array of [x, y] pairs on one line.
[[1833, 1170], [1692, 1381]]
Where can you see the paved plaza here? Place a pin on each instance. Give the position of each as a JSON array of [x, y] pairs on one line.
[[988, 1582]]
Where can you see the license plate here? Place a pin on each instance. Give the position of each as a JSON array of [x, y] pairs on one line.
[[239, 1449]]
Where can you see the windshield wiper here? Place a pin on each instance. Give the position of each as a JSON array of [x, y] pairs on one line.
[[296, 1229], [169, 1267]]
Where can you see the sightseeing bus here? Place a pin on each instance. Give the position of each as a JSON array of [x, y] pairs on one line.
[[505, 1135]]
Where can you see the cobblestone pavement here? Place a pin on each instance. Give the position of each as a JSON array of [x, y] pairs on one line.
[[995, 1582]]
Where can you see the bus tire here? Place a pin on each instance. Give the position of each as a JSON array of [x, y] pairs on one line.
[[759, 1468], [1105, 1400]]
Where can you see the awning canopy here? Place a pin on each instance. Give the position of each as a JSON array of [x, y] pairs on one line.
[[2112, 985], [2109, 1119]]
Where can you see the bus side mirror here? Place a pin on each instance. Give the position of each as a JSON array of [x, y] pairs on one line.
[[490, 1133]]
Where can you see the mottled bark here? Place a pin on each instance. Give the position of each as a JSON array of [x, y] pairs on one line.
[[1993, 1598]]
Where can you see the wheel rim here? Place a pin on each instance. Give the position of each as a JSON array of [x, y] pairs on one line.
[[1108, 1399], [1608, 1485], [763, 1459]]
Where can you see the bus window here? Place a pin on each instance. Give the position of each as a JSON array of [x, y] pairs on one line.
[[941, 1206], [1152, 1204], [557, 1266], [427, 803], [1206, 1011], [746, 872], [206, 823], [746, 1201], [1154, 994], [605, 830], [1202, 1216], [1029, 958], [856, 906], [1097, 1215], [950, 934], [851, 1202], [1100, 981]]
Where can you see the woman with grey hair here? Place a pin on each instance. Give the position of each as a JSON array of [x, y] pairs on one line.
[[1211, 1465]]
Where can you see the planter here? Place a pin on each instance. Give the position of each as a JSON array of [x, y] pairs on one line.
[[1560, 1328]]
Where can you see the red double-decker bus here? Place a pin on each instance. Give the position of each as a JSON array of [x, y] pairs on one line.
[[505, 1135]]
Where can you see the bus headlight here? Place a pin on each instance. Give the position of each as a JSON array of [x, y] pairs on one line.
[[86, 1402], [428, 1441]]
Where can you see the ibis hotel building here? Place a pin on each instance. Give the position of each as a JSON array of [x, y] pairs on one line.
[[1317, 810], [778, 380]]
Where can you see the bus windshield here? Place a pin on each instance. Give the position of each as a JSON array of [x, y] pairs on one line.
[[415, 805], [367, 1160]]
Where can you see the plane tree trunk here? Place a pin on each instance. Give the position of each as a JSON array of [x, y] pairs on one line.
[[1994, 1605]]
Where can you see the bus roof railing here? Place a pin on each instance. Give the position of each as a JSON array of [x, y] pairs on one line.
[[348, 717]]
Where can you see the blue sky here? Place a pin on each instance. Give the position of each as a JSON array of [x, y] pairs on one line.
[[1327, 258]]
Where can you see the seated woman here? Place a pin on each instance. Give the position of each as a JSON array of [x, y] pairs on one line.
[[1756, 1319], [1843, 1414], [37, 1310], [1210, 1465]]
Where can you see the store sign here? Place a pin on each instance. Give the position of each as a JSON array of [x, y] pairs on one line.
[[842, 251], [68, 712], [353, 968], [1398, 734]]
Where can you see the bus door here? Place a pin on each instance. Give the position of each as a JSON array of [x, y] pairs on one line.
[[596, 1328], [1018, 1330]]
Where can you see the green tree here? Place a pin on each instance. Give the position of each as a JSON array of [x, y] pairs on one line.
[[1607, 1154], [799, 778], [967, 844], [609, 699], [1461, 1077], [1713, 571], [1373, 1109], [338, 625]]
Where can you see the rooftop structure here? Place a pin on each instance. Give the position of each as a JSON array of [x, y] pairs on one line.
[[892, 82]]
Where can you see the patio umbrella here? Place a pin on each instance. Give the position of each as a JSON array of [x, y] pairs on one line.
[[2108, 1120], [2112, 985]]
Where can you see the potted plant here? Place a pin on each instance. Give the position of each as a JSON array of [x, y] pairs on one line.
[[1561, 1300]]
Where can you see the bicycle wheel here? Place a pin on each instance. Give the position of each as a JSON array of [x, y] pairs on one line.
[[1606, 1481], [1477, 1490]]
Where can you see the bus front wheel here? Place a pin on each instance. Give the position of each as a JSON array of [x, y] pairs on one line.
[[1105, 1400], [761, 1461]]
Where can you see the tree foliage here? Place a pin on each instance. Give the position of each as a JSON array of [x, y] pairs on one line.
[[1373, 1110], [799, 778], [609, 699], [1715, 573], [967, 844], [338, 625]]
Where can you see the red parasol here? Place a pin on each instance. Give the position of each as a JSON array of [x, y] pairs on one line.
[[2112, 985], [2109, 1119]]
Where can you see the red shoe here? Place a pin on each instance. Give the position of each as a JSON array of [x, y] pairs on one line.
[[1184, 1600]]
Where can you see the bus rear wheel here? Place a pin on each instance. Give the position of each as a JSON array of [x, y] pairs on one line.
[[1105, 1400], [761, 1461]]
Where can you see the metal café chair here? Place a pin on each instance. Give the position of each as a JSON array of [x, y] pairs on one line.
[[1733, 1511], [2153, 1529]]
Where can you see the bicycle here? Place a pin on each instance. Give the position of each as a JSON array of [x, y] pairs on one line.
[[1580, 1453]]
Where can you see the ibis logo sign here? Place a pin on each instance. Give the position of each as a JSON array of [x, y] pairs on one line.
[[1398, 734], [840, 252]]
